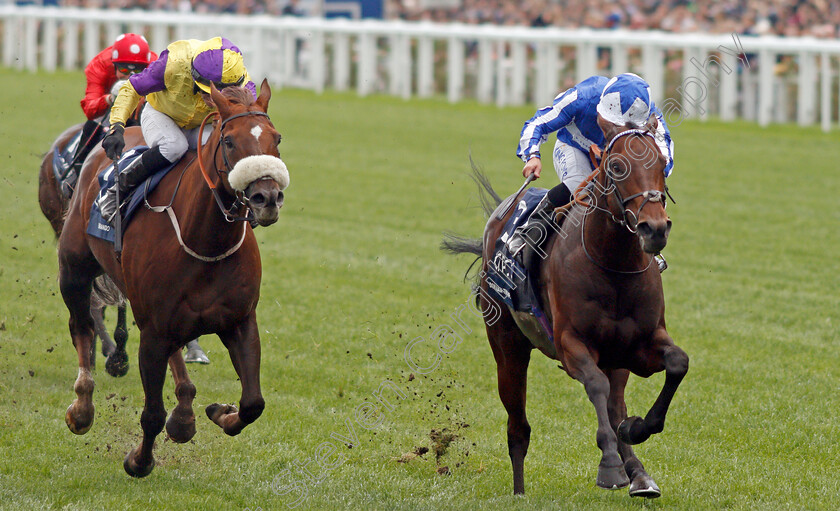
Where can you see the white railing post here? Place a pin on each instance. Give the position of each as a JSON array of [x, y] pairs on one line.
[[70, 46], [502, 71], [367, 64], [341, 61], [318, 59], [485, 70], [806, 95], [728, 87], [618, 55], [425, 66], [455, 69], [11, 39], [586, 60], [765, 86], [519, 73], [825, 91], [49, 55], [652, 65], [30, 49], [91, 40]]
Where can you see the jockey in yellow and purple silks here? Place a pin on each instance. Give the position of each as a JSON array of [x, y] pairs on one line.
[[177, 91]]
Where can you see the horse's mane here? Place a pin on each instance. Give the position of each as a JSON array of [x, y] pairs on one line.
[[239, 95]]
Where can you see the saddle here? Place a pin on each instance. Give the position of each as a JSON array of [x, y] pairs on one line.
[[98, 226]]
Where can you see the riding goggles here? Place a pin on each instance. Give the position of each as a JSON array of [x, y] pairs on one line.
[[129, 69]]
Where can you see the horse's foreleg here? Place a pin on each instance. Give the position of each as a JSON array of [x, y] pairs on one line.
[[243, 344], [512, 353], [641, 484], [140, 461], [75, 283], [181, 423], [117, 362], [674, 360], [582, 367]]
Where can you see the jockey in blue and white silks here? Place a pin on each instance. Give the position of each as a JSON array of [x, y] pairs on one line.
[[623, 101]]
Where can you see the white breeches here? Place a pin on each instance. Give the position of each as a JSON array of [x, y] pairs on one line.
[[571, 164], [160, 130]]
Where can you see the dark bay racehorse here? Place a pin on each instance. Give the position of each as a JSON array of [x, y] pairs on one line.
[[188, 268], [54, 205], [604, 303]]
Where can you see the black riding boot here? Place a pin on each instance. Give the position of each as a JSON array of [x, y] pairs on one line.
[[529, 239], [137, 171], [84, 147]]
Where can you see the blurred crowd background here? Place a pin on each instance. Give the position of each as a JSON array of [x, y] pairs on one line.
[[818, 18]]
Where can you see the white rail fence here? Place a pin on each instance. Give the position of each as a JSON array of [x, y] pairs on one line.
[[762, 79]]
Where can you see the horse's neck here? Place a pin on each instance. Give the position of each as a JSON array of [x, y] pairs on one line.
[[610, 243]]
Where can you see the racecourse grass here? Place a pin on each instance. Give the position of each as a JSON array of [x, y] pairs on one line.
[[352, 273]]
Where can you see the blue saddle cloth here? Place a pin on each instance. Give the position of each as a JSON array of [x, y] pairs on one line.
[[98, 226], [507, 279]]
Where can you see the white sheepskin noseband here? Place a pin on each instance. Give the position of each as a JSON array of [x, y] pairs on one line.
[[249, 169]]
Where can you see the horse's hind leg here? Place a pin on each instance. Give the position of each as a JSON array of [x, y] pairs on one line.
[[181, 423], [243, 344], [75, 279], [641, 484], [582, 367], [117, 362], [674, 360], [153, 356], [513, 353]]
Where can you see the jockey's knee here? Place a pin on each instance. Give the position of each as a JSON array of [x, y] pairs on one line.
[[173, 149]]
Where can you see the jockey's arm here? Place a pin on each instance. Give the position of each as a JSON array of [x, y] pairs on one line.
[[149, 80], [547, 120]]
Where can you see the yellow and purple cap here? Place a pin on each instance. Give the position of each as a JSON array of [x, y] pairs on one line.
[[220, 62]]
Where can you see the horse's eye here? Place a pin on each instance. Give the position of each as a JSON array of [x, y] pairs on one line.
[[228, 142]]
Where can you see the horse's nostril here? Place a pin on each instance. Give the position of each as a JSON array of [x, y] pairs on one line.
[[280, 197], [258, 199], [644, 229]]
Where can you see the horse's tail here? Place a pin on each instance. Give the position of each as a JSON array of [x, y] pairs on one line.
[[490, 200], [105, 292], [456, 244]]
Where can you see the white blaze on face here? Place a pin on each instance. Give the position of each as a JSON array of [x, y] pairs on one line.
[[256, 131]]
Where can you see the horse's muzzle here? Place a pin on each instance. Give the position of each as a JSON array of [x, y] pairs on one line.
[[653, 234], [265, 200]]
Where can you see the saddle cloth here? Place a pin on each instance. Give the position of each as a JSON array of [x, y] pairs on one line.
[[507, 279], [98, 226]]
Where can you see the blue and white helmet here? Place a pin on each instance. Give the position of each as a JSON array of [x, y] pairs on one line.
[[625, 99]]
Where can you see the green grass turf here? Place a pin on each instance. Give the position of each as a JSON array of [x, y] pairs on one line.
[[352, 273]]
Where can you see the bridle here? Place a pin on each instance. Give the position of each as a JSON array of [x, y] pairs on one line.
[[240, 199], [647, 195], [612, 188]]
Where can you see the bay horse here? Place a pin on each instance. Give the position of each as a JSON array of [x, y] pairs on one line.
[[54, 205], [604, 303], [193, 271]]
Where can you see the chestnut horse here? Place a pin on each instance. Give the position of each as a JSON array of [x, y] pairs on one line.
[[54, 206], [193, 271], [604, 303]]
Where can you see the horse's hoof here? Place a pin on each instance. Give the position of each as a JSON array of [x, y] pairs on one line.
[[632, 431], [644, 486], [117, 364], [134, 470], [612, 478], [180, 426], [79, 419], [216, 410]]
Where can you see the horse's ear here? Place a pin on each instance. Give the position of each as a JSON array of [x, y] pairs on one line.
[[609, 129], [221, 102], [652, 123], [265, 95], [595, 156]]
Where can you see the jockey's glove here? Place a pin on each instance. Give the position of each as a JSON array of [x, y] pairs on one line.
[[114, 142]]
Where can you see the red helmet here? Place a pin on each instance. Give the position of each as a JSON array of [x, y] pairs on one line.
[[131, 49]]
